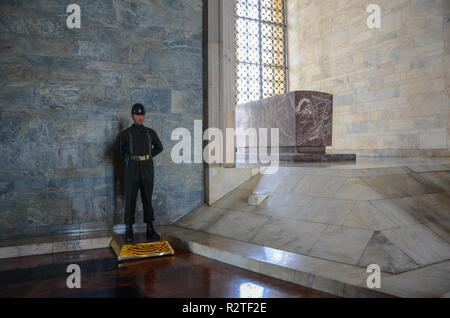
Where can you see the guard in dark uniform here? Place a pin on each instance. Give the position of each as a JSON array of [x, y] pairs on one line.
[[138, 145]]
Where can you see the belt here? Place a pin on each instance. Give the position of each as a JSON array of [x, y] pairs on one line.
[[140, 158]]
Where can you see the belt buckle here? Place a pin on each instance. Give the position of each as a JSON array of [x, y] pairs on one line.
[[141, 158]]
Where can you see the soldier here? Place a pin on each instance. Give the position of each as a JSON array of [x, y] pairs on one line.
[[138, 145]]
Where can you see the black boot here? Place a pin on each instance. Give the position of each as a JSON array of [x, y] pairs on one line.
[[129, 237], [151, 233]]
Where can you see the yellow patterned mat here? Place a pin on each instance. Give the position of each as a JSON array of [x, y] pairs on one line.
[[146, 249], [141, 250]]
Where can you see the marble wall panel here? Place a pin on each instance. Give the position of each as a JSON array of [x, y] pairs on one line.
[[66, 94]]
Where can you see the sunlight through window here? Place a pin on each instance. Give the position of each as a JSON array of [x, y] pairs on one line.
[[260, 49]]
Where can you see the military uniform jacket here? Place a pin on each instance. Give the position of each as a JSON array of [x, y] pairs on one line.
[[135, 141]]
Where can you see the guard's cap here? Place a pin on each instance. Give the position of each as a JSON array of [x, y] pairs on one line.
[[138, 109]]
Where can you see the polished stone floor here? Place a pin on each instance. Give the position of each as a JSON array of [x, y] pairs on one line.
[[391, 212], [183, 275], [320, 226]]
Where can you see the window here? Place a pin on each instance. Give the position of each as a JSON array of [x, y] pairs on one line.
[[260, 49]]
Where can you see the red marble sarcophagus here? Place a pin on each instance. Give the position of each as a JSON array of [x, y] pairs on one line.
[[304, 120]]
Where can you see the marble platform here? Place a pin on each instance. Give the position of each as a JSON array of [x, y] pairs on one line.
[[323, 224], [320, 225], [53, 244], [243, 157], [10, 248]]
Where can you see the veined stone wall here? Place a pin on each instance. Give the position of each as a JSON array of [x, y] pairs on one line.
[[66, 93], [390, 85]]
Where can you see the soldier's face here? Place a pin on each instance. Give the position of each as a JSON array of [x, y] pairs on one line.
[[138, 119]]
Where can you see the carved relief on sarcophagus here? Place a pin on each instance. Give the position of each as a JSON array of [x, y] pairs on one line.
[[313, 119]]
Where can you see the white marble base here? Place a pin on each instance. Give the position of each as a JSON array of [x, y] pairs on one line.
[[256, 199], [328, 276], [54, 244], [355, 215]]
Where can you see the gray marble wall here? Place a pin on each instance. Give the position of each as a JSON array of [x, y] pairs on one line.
[[66, 93]]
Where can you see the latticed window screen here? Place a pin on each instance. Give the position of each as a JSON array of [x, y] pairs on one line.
[[260, 49]]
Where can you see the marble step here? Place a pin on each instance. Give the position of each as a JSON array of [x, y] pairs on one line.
[[313, 157], [29, 246], [328, 276], [284, 149], [77, 241], [306, 157], [335, 278]]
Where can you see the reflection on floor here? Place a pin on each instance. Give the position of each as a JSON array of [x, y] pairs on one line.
[[391, 212], [181, 275]]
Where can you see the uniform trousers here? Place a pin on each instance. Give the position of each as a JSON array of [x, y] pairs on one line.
[[139, 175]]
